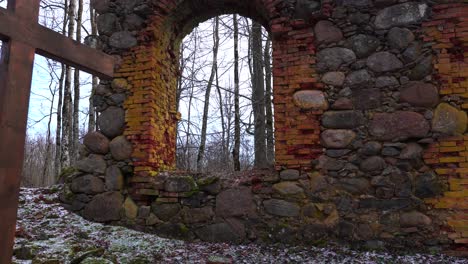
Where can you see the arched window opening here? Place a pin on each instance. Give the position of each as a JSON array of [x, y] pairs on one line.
[[224, 95]]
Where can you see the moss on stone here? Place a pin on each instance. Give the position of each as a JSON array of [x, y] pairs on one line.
[[65, 174], [207, 181]]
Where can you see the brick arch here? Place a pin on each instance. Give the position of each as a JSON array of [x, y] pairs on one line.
[[151, 71], [186, 15]]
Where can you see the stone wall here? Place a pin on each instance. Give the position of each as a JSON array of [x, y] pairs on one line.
[[370, 123]]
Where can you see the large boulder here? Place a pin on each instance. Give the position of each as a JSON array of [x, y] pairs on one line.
[[400, 38], [358, 78], [310, 99], [362, 45], [399, 125], [180, 184], [334, 78], [373, 164], [332, 58], [96, 143], [326, 32], [114, 178], [235, 202], [288, 189], [112, 121], [107, 24], [342, 119], [92, 164], [355, 185], [448, 120], [337, 138], [414, 219], [121, 148], [87, 184], [401, 15], [104, 207], [420, 94], [281, 208], [384, 61], [165, 211], [122, 40]]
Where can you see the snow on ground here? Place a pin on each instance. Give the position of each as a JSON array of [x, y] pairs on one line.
[[48, 234]]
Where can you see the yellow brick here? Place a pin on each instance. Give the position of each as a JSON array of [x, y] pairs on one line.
[[457, 194], [448, 144], [452, 159]]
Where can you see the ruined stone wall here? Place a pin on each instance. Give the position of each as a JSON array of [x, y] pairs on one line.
[[370, 126]]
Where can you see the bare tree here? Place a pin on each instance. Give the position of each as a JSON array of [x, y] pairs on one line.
[[236, 150], [268, 103], [201, 150], [258, 96]]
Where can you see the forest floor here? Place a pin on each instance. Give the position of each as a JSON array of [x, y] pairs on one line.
[[48, 234]]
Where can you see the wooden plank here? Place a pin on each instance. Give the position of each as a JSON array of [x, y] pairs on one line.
[[16, 67], [15, 83], [55, 46]]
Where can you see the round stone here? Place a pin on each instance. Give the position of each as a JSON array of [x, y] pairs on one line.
[[422, 69], [401, 15], [374, 163], [311, 99], [114, 179], [121, 148], [337, 138], [386, 81], [92, 164], [122, 40], [87, 184], [112, 121], [448, 120], [383, 62], [343, 104], [399, 125], [358, 78], [362, 45], [414, 219], [420, 94], [326, 32], [281, 207], [96, 142], [342, 119], [107, 24], [333, 58], [400, 38], [104, 207], [334, 78]]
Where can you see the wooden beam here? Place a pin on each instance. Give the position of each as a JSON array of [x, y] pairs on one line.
[[16, 67], [55, 46]]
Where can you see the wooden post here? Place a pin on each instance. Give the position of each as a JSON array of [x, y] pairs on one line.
[[15, 83], [24, 37]]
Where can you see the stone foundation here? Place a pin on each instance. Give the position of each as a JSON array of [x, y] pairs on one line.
[[370, 126]]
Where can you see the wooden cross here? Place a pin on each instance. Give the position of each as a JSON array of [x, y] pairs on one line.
[[24, 37]]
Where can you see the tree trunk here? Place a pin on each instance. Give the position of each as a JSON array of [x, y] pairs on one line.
[[201, 150], [76, 95], [95, 81], [236, 150], [67, 132], [258, 97], [58, 131], [268, 104]]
